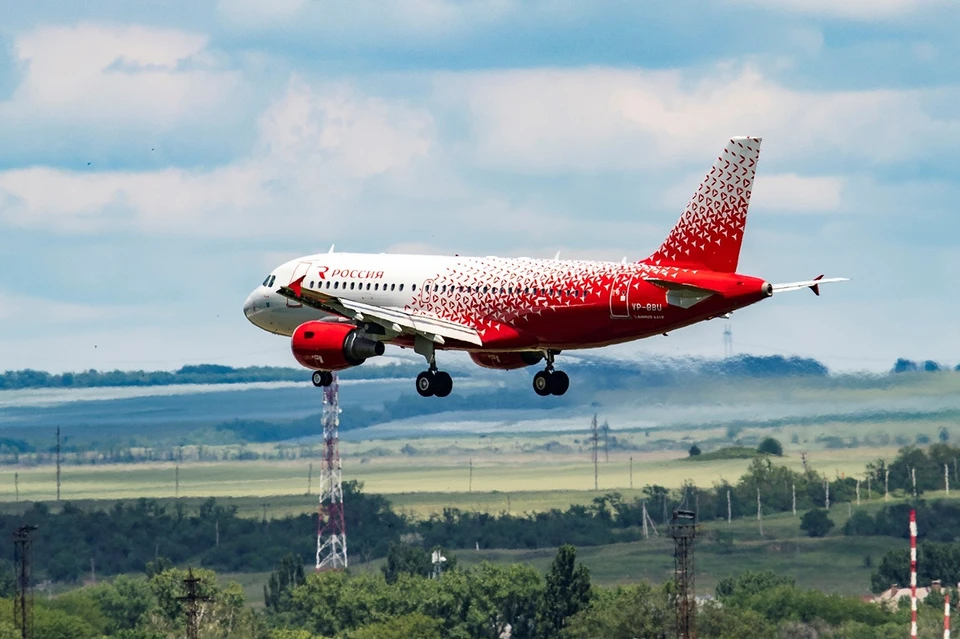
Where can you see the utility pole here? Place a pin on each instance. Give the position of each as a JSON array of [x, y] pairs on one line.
[[759, 512], [886, 485], [729, 509], [16, 486], [794, 491], [193, 600], [595, 439], [23, 604], [58, 464], [606, 437]]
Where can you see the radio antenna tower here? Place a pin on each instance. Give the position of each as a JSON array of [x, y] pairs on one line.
[[727, 341], [683, 529], [331, 531]]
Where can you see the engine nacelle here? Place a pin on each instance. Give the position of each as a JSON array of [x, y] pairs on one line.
[[506, 361], [329, 346]]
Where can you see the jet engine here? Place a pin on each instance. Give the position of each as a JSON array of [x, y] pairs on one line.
[[506, 361], [331, 346]]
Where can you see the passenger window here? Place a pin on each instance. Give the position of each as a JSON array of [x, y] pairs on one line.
[[393, 287], [311, 283], [368, 286], [444, 290], [401, 287], [328, 284], [336, 285], [413, 287], [351, 286], [376, 286]]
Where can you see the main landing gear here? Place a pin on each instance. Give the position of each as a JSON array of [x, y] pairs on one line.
[[434, 382], [431, 382], [321, 378], [550, 381]]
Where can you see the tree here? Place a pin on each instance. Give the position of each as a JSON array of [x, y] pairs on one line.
[[288, 575], [903, 365], [126, 603], [749, 583], [770, 446], [639, 610], [403, 627], [943, 434], [694, 450], [406, 558], [567, 592], [816, 523]]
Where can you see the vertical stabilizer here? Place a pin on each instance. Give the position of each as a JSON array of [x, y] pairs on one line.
[[710, 230]]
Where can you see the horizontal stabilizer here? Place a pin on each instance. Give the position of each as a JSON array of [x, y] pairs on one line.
[[813, 285], [682, 295]]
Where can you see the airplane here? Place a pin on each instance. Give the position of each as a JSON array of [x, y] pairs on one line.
[[341, 309]]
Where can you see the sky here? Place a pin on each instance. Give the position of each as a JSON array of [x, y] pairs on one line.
[[157, 160]]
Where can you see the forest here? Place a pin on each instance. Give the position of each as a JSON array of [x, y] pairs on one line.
[[124, 538], [407, 600]]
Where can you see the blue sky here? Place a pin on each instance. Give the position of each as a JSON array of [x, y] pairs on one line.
[[155, 163]]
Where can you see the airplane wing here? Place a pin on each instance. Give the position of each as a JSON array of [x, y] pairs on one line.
[[813, 285], [393, 319]]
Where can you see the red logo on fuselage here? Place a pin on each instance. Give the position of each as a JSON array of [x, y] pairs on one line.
[[357, 274]]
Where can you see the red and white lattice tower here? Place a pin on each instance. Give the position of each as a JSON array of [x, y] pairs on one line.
[[946, 615], [913, 574], [331, 531]]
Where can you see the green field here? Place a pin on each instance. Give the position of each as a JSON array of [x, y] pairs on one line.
[[420, 485]]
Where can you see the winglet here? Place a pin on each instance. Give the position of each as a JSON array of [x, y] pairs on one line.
[[816, 287], [297, 286]]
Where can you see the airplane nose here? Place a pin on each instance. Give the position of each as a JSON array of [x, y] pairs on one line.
[[250, 306]]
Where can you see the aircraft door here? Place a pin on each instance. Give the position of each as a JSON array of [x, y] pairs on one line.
[[298, 272], [620, 295]]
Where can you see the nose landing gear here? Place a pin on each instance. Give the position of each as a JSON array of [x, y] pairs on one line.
[[550, 381]]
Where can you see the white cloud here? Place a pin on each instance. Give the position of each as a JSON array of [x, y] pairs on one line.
[[316, 148], [599, 119], [867, 10], [798, 194], [367, 22], [117, 74]]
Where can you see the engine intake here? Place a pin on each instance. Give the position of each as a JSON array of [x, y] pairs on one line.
[[331, 346]]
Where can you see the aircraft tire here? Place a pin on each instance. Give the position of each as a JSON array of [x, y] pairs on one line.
[[426, 384], [559, 383], [541, 383], [318, 379], [444, 384]]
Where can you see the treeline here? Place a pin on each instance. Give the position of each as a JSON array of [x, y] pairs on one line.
[[487, 601], [197, 374], [73, 543], [492, 601], [654, 371]]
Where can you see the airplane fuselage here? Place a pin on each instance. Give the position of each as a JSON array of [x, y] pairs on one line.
[[515, 304]]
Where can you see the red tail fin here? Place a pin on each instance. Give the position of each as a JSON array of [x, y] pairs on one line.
[[710, 230]]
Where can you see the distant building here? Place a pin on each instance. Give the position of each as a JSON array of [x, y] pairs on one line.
[[892, 595]]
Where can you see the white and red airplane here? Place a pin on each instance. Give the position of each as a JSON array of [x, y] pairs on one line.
[[341, 309]]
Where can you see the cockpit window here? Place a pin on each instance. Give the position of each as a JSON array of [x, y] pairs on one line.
[[273, 278], [266, 282]]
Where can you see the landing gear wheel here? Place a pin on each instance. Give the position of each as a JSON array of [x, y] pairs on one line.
[[541, 383], [321, 378], [444, 384], [427, 383], [559, 383]]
